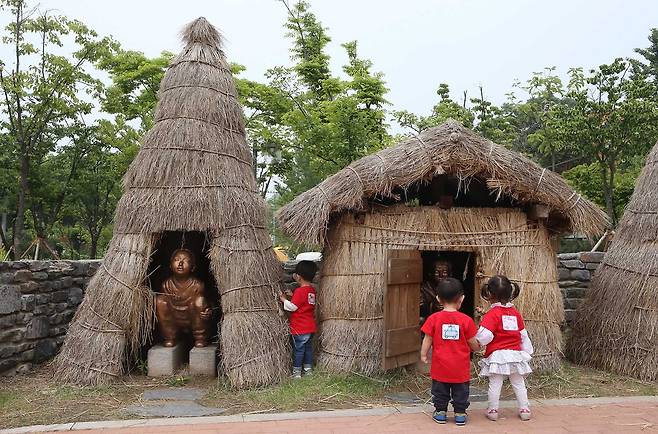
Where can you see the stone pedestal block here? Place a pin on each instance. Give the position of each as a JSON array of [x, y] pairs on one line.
[[202, 361], [164, 361]]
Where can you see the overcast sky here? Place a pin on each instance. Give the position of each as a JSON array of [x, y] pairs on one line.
[[417, 44]]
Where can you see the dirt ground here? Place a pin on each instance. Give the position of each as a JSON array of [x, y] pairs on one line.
[[35, 398]]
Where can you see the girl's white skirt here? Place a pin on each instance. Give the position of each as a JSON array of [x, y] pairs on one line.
[[505, 362]]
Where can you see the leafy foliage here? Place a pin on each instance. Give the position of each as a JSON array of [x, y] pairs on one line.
[[67, 137]]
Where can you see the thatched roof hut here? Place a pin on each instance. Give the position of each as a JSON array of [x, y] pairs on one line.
[[615, 328], [448, 190], [193, 173]]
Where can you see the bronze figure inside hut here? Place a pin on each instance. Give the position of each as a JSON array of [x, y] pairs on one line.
[[182, 304], [440, 269]]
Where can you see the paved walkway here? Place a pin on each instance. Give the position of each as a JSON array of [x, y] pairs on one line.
[[595, 415]]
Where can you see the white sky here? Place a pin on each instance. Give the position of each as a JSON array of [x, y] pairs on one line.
[[417, 44]]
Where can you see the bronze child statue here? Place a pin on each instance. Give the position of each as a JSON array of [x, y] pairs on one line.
[[181, 305]]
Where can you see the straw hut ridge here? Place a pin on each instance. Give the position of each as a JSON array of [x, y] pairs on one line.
[[190, 185], [616, 324], [445, 193]]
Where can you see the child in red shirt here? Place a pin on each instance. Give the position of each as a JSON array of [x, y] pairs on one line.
[[302, 318], [508, 345], [451, 334]]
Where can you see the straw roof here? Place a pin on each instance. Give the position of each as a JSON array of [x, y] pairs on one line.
[[193, 173], [615, 327], [195, 158], [447, 149]]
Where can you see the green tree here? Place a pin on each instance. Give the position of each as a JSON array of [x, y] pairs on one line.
[[493, 122], [445, 109], [41, 92], [135, 83], [330, 121], [649, 66], [96, 188], [610, 116]]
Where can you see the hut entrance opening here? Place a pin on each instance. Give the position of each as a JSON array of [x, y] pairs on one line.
[[159, 271], [461, 266]]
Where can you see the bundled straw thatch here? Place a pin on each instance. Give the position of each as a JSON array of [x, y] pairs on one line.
[[354, 268], [193, 173], [451, 149], [342, 214], [616, 327]]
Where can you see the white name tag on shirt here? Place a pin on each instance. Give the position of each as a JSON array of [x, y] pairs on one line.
[[510, 323], [450, 332]]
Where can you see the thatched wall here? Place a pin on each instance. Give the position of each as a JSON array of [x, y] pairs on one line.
[[617, 325], [351, 300]]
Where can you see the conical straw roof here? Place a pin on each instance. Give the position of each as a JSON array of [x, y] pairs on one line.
[[195, 160], [616, 324], [193, 173]]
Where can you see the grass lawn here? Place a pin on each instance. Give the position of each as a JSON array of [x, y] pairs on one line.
[[35, 398]]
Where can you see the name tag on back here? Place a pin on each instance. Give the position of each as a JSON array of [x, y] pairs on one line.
[[510, 323], [450, 332]]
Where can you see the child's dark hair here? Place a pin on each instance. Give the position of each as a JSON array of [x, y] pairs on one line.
[[306, 270], [500, 289], [449, 289]]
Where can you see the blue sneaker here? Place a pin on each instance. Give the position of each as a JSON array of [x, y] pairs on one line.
[[440, 417], [460, 419]]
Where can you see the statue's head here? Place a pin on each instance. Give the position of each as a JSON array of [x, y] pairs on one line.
[[441, 269], [182, 262]]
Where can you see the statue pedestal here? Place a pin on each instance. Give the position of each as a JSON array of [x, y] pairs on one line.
[[164, 361], [203, 361]]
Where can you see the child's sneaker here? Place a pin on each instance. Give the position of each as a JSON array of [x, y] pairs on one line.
[[460, 419], [308, 370], [492, 414], [525, 414], [296, 373], [440, 417]]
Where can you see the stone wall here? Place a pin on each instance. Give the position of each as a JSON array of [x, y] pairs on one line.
[[574, 274], [37, 301]]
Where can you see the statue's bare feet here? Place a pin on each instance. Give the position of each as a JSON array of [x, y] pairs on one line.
[[168, 343], [199, 343]]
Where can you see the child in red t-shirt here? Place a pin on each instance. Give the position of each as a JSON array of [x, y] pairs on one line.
[[508, 345], [451, 334], [302, 317]]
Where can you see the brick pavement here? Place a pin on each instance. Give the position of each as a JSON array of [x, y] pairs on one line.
[[607, 415]]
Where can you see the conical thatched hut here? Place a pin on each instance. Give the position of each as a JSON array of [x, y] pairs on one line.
[[616, 327], [193, 174], [479, 205]]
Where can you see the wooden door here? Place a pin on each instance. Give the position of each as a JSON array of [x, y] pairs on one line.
[[404, 276]]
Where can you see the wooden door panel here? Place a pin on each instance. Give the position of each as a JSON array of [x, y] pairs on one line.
[[405, 270], [401, 339]]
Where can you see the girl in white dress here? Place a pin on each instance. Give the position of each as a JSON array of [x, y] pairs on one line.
[[508, 346]]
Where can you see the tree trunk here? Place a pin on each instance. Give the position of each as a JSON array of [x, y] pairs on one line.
[[3, 231], [611, 194], [93, 247], [608, 192], [19, 222]]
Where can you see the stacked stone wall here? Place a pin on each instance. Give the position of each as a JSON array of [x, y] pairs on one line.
[[37, 301], [575, 272]]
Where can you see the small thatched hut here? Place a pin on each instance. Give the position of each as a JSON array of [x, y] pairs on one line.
[[616, 327], [191, 184], [449, 191]]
